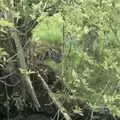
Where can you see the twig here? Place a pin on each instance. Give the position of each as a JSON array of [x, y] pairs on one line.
[[8, 113], [5, 77], [10, 85]]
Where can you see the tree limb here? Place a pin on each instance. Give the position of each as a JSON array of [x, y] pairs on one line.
[[55, 101], [26, 79]]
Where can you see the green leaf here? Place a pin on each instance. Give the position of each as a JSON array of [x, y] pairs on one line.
[[5, 23], [78, 110], [50, 30]]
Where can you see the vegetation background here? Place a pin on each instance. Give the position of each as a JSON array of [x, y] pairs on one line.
[[86, 31]]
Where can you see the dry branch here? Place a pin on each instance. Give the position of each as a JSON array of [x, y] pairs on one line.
[[55, 101], [26, 79]]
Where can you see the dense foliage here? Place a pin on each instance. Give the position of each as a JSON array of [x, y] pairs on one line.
[[91, 65], [88, 33]]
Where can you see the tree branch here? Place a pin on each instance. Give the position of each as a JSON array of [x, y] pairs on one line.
[[26, 79], [55, 101]]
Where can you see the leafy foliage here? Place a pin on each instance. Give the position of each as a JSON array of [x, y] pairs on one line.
[[49, 30], [5, 23], [90, 31], [91, 67]]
